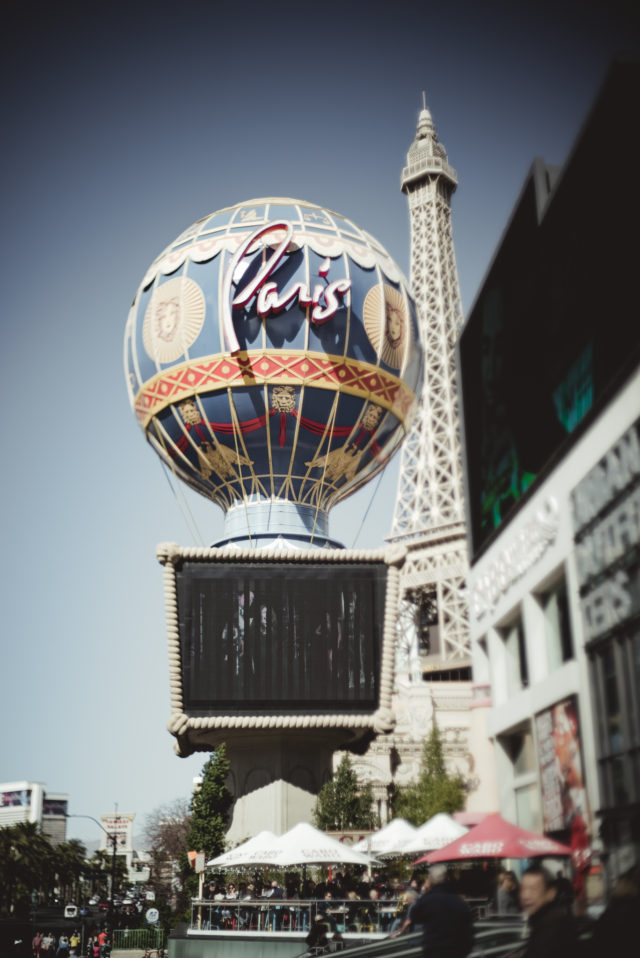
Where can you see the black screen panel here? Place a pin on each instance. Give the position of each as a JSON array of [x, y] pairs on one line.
[[280, 637]]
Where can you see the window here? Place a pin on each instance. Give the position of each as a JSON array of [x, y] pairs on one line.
[[516, 656], [557, 625], [528, 807], [615, 668], [519, 748]]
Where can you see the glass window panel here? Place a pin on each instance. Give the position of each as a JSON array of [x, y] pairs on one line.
[[516, 655], [635, 652], [528, 808], [519, 747], [613, 717], [619, 780], [557, 626]]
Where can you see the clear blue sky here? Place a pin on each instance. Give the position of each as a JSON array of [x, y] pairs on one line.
[[122, 124]]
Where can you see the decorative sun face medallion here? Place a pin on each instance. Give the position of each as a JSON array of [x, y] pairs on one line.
[[387, 324], [371, 417], [190, 412], [283, 398], [173, 319]]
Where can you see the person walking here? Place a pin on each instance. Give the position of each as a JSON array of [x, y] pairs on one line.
[[508, 895], [48, 946], [63, 947], [616, 930], [446, 920], [552, 931]]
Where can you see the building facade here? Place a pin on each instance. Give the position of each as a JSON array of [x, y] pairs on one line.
[[550, 374], [31, 802]]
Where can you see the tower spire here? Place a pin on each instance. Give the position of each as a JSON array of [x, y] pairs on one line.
[[429, 509], [432, 631]]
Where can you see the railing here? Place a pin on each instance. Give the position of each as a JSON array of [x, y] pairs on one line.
[[125, 939], [493, 938], [428, 164], [264, 915]]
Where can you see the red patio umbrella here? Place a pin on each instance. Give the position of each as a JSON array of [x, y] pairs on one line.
[[496, 838]]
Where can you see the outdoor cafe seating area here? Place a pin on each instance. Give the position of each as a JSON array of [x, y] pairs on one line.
[[342, 915], [357, 891]]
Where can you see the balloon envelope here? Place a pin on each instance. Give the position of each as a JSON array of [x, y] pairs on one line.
[[296, 390]]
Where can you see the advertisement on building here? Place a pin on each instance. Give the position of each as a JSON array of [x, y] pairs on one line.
[[564, 795], [606, 519], [18, 798], [548, 334], [122, 827]]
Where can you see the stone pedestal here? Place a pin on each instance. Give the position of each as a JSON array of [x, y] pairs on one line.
[[276, 779]]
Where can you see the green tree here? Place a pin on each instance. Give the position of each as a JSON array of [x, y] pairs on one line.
[[165, 835], [69, 862], [435, 791], [210, 807], [343, 803], [101, 865], [27, 863]]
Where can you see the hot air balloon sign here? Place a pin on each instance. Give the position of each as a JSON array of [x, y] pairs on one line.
[[272, 356]]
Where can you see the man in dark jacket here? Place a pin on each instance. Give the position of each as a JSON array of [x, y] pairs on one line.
[[552, 931], [447, 923]]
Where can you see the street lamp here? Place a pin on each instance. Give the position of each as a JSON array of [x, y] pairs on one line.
[[114, 839]]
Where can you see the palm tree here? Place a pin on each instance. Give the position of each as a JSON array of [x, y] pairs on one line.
[[26, 864], [70, 864]]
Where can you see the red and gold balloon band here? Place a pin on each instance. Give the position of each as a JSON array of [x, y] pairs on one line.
[[259, 422], [273, 367]]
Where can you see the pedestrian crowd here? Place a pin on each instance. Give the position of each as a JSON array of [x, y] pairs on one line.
[[47, 946], [339, 885], [546, 902], [355, 902]]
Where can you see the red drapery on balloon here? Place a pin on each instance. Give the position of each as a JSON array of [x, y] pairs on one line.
[[251, 425]]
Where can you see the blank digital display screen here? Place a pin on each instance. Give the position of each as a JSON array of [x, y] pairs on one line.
[[272, 637], [554, 330]]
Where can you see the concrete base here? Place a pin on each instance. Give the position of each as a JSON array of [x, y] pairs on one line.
[[276, 779], [276, 807], [203, 946]]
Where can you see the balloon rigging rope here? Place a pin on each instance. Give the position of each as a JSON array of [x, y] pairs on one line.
[[334, 412], [236, 430], [366, 513], [183, 505]]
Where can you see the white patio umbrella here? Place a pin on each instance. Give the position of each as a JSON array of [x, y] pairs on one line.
[[255, 851], [436, 833], [390, 840], [305, 845]]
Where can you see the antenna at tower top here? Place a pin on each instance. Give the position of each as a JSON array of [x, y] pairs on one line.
[[424, 100]]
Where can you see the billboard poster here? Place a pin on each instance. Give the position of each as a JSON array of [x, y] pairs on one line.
[[54, 806], [20, 798], [122, 827], [564, 796]]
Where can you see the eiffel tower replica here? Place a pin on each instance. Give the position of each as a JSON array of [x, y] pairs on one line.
[[433, 665], [429, 511]]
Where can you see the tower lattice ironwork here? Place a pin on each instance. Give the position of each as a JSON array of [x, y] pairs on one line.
[[429, 511]]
